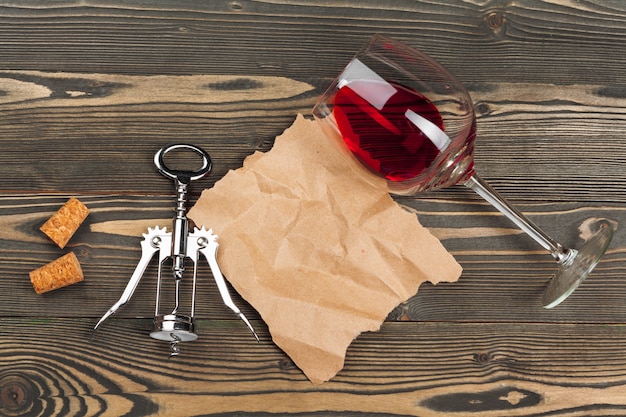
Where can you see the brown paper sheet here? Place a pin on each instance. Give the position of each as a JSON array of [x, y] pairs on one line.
[[319, 252]]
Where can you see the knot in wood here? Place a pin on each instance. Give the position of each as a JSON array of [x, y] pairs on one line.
[[482, 358], [236, 6], [483, 109], [285, 364], [495, 20], [16, 395]]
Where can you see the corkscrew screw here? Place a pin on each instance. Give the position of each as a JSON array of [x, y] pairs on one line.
[[177, 246]]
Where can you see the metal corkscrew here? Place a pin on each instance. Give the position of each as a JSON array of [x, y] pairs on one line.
[[177, 246]]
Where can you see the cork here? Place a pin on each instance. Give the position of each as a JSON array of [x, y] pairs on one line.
[[63, 224], [59, 273]]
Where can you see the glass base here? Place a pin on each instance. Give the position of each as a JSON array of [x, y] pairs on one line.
[[571, 274]]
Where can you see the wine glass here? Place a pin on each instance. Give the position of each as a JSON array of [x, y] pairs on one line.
[[411, 127]]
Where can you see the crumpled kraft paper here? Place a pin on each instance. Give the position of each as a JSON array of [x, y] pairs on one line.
[[320, 253]]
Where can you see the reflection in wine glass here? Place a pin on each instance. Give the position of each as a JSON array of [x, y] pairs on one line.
[[411, 126]]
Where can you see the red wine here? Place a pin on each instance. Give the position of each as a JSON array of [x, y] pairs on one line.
[[378, 124]]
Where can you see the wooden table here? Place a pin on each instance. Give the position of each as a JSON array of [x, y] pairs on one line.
[[89, 90]]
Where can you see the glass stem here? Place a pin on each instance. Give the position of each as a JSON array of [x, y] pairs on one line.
[[560, 253]]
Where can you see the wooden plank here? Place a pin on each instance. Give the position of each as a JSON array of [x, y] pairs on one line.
[[482, 41], [416, 369], [115, 124], [503, 279], [534, 143]]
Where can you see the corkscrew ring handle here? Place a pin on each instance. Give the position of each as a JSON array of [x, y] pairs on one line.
[[182, 175]]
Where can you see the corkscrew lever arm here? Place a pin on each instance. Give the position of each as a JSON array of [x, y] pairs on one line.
[[148, 249], [207, 246]]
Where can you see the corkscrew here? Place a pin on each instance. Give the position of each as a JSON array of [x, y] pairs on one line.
[[177, 246]]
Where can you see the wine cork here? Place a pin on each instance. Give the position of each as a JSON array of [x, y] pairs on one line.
[[59, 273], [64, 223]]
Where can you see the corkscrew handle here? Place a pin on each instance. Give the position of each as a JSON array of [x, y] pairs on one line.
[[182, 175], [182, 178]]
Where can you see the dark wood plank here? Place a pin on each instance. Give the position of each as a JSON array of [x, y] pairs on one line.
[[113, 125], [539, 141], [482, 41], [434, 369], [504, 273]]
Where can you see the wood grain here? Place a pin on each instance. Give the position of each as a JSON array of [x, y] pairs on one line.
[[405, 369], [482, 40], [90, 90], [503, 268], [542, 154]]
